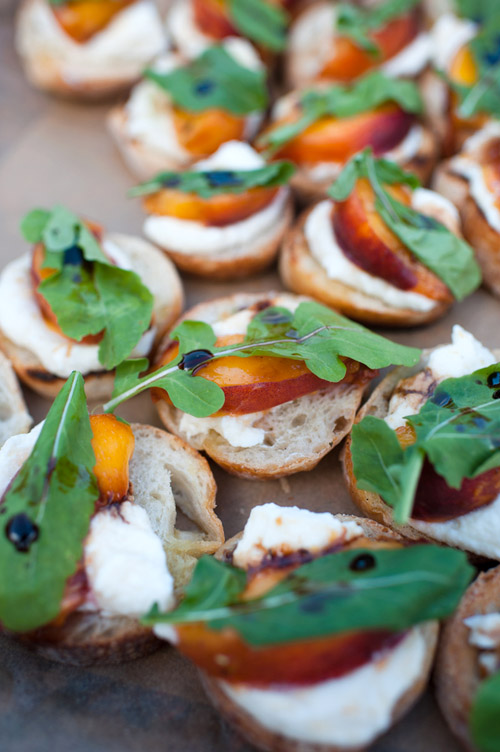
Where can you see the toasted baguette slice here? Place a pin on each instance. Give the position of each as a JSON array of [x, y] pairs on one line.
[[454, 187], [48, 71], [160, 277], [297, 433], [458, 672], [371, 503], [166, 475], [264, 738], [14, 415], [241, 260], [303, 274]]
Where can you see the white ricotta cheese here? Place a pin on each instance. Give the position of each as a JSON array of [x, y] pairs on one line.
[[14, 454], [283, 530], [21, 320], [237, 430], [121, 50], [412, 59], [181, 25], [348, 711], [311, 42], [448, 35], [484, 630], [486, 200], [125, 563], [434, 205], [324, 247]]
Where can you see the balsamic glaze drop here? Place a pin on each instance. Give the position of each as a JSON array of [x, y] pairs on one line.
[[194, 359], [171, 182], [73, 256], [204, 87], [22, 532], [218, 178], [362, 563], [276, 317], [496, 395], [442, 399], [494, 379]]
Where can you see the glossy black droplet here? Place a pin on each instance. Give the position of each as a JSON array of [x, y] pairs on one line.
[[442, 399], [22, 532], [73, 256], [172, 181], [362, 563], [496, 395], [276, 317], [204, 87], [494, 379], [194, 359], [218, 178]]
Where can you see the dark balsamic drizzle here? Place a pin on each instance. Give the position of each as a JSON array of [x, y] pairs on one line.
[[194, 359], [218, 178], [362, 563], [21, 532], [494, 380]]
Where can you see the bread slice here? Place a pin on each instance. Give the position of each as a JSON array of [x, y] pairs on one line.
[[161, 278], [371, 503], [297, 433], [266, 739], [241, 260], [14, 415], [454, 187], [458, 674], [166, 475], [303, 274]]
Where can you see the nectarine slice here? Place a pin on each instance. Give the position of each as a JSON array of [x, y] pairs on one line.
[[81, 19], [201, 133], [113, 444]]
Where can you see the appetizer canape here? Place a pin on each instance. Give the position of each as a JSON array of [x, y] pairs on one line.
[[83, 300], [226, 217], [88, 48], [468, 666], [471, 180], [323, 630], [423, 455], [281, 376], [381, 249], [461, 94], [89, 541], [194, 25], [340, 41], [182, 112], [14, 415], [321, 128]]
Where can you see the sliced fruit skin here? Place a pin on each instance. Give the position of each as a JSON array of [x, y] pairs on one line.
[[81, 19], [113, 444], [201, 133], [366, 241], [217, 211], [332, 139], [212, 19], [350, 61]]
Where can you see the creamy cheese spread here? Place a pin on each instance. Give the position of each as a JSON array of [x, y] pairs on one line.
[[448, 35]]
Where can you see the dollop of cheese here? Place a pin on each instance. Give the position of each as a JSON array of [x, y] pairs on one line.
[[323, 245], [412, 59], [311, 41], [237, 430], [484, 630], [272, 529], [448, 35], [121, 50], [14, 453]]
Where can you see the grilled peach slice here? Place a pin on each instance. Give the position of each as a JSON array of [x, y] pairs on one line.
[[113, 444], [81, 19], [201, 133]]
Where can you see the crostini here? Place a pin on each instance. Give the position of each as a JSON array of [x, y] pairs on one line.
[[181, 112], [83, 300], [470, 179], [338, 42], [223, 219], [87, 48], [467, 668], [304, 624], [322, 127], [277, 373], [419, 458], [382, 249], [90, 543]]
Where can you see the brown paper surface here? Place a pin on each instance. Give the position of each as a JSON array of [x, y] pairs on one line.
[[54, 151]]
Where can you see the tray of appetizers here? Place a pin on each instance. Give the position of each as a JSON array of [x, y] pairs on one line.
[[249, 376]]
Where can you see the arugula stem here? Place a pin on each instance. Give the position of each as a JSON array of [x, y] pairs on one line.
[[379, 191], [403, 510]]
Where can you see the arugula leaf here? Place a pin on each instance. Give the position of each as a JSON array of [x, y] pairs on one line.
[[87, 293], [478, 10], [485, 715], [218, 182], [327, 596], [55, 489], [359, 23], [444, 253], [369, 92], [314, 334], [457, 430], [214, 80], [261, 21], [203, 397], [194, 335]]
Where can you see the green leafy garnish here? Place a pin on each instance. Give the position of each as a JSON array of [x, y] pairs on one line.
[[216, 182], [403, 587], [457, 431], [368, 93], [314, 334], [480, 11], [261, 21], [87, 293], [485, 715], [359, 23], [214, 80], [448, 256], [46, 512]]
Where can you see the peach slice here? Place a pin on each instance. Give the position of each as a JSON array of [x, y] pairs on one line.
[[350, 61], [367, 241], [331, 139], [201, 133], [113, 444], [212, 19], [81, 19], [218, 211]]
